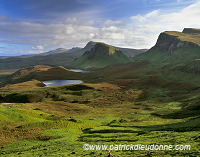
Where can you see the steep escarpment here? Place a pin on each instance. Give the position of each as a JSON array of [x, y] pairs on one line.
[[191, 30], [174, 48], [172, 40]]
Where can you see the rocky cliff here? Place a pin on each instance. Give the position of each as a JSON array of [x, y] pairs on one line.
[[191, 31], [172, 40], [172, 47]]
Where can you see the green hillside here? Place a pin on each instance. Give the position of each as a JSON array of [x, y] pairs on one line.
[[174, 58], [173, 48], [102, 55]]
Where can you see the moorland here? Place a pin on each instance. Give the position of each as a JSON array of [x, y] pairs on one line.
[[148, 97]]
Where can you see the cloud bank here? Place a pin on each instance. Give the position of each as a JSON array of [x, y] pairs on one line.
[[137, 31]]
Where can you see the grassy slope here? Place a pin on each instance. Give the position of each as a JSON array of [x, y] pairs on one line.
[[161, 112], [93, 114], [173, 48], [145, 105], [162, 57], [22, 86]]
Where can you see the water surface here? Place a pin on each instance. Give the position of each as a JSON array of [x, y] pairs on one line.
[[61, 82], [80, 71]]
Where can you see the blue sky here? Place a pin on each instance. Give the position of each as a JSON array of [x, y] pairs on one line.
[[36, 26]]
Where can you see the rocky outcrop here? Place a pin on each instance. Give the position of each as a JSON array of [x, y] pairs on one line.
[[169, 42], [175, 48], [191, 31]]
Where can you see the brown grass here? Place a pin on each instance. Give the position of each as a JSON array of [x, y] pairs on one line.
[[10, 134], [195, 38], [22, 86]]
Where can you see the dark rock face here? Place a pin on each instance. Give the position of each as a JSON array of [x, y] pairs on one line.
[[171, 43], [89, 46], [191, 31], [99, 51]]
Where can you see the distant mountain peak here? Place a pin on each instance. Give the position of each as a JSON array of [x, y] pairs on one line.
[[92, 42], [60, 49], [100, 56], [56, 51], [89, 46]]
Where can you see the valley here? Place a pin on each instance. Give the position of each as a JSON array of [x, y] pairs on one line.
[[149, 98]]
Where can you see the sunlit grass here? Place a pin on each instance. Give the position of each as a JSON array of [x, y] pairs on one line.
[[71, 116], [186, 37]]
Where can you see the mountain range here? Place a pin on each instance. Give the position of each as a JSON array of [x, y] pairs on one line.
[[174, 56], [59, 56]]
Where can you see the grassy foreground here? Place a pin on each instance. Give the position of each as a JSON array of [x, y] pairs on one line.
[[64, 118]]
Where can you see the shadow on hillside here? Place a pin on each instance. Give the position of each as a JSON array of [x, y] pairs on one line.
[[192, 124]]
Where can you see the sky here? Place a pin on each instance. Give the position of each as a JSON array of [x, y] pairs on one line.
[[36, 26]]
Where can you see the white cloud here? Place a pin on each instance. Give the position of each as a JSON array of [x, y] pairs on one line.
[[145, 17], [141, 31], [149, 26], [39, 47], [108, 23], [71, 20], [78, 21]]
